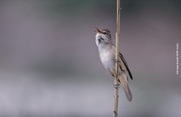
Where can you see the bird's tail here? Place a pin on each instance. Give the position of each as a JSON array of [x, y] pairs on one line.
[[124, 81]]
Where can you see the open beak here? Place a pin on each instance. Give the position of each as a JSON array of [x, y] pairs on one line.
[[97, 30]]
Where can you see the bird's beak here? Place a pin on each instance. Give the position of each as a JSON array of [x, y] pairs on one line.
[[97, 30]]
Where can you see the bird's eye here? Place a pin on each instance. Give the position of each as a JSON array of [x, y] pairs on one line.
[[104, 33]]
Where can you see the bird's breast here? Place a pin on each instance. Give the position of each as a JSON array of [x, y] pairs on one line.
[[107, 59]]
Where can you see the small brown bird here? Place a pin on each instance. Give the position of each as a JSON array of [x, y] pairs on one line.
[[107, 56]]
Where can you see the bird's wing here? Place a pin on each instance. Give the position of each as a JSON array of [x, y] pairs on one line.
[[122, 67]]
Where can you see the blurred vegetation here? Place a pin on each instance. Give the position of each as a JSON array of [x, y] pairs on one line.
[[85, 7]]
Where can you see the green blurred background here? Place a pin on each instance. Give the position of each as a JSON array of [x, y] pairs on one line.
[[50, 67]]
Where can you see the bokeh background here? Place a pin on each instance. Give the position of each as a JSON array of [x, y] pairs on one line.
[[50, 67]]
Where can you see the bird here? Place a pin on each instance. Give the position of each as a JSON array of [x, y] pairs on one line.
[[107, 56]]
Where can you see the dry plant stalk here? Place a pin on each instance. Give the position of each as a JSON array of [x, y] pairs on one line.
[[116, 84]]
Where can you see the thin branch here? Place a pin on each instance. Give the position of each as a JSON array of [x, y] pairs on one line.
[[116, 84]]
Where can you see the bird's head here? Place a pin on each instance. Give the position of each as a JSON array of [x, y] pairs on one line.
[[102, 36]]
